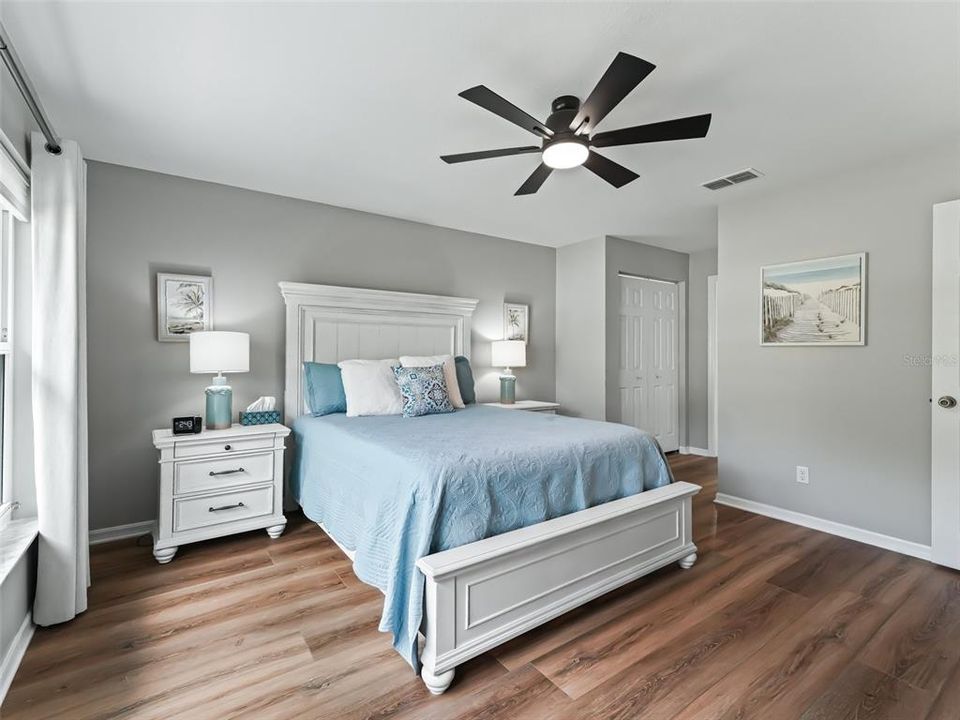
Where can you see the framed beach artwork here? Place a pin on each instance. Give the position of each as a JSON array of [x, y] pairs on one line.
[[814, 302], [515, 321], [184, 305]]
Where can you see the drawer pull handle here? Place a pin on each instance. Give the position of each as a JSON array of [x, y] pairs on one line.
[[214, 473], [228, 447], [226, 507]]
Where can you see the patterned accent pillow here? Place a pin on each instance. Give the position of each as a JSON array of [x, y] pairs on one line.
[[424, 390]]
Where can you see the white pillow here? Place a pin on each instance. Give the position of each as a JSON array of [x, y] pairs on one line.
[[371, 387], [449, 372]]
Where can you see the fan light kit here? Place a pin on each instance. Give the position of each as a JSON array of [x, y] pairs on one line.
[[567, 139], [564, 154]]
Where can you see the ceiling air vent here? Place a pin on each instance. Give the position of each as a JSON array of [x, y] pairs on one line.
[[736, 178]]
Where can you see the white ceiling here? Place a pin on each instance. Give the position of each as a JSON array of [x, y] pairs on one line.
[[351, 104]]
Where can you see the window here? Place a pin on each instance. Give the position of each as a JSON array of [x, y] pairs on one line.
[[6, 361]]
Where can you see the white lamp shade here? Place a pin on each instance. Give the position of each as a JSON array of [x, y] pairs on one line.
[[508, 353], [216, 351]]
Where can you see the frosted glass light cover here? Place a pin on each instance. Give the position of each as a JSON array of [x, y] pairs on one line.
[[218, 351], [508, 353], [562, 155]]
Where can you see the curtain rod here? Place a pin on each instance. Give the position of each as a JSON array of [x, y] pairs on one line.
[[30, 96]]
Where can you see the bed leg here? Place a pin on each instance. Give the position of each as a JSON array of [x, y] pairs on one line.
[[687, 562], [164, 555], [437, 684]]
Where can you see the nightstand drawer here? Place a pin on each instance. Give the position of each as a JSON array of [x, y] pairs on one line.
[[219, 447], [225, 472], [192, 513]]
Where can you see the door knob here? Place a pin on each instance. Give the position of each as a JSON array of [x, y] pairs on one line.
[[947, 401]]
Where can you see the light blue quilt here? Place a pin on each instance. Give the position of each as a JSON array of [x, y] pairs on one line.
[[395, 489]]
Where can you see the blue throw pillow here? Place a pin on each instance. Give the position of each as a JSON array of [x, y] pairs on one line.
[[465, 380], [324, 389], [424, 390]]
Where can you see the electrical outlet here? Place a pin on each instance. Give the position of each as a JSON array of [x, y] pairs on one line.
[[803, 474]]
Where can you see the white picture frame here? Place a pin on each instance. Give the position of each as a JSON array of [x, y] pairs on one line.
[[820, 302], [184, 305], [516, 322]]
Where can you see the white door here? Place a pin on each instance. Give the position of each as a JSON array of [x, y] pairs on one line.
[[945, 365], [649, 368]]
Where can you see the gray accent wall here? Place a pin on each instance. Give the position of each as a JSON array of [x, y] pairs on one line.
[[858, 417], [581, 303], [703, 264], [140, 223]]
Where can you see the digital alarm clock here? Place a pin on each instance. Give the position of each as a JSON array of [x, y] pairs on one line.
[[187, 425]]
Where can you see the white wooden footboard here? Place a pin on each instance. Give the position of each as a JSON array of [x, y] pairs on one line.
[[485, 593]]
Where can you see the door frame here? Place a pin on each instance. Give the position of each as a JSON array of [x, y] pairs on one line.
[[712, 367], [945, 381], [681, 349]]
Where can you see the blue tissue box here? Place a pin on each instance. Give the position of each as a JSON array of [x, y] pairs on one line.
[[264, 417]]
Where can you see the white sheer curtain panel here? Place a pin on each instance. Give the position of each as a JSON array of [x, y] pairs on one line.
[[59, 210]]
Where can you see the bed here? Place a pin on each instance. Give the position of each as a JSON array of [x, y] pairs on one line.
[[476, 525]]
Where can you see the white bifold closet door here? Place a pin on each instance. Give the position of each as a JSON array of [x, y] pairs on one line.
[[649, 375]]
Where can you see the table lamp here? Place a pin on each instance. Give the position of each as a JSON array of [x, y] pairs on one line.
[[218, 352], [508, 354]]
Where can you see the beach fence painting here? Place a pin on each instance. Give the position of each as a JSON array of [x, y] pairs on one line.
[[814, 302]]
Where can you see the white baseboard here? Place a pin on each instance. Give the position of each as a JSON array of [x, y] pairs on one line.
[[684, 450], [11, 661], [120, 532], [887, 542]]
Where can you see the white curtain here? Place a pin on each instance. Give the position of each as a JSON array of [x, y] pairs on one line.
[[58, 218]]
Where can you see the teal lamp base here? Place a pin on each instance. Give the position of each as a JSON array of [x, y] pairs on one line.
[[508, 389], [219, 415]]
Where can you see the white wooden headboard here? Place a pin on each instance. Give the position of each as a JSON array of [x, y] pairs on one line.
[[328, 324]]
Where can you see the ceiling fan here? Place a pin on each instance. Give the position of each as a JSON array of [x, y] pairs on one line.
[[567, 139]]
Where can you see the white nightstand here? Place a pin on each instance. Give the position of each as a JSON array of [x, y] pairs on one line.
[[218, 482], [550, 408]]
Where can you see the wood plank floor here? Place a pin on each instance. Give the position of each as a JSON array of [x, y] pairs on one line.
[[774, 622]]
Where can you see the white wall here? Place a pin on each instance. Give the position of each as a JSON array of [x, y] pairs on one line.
[[702, 265], [16, 591], [581, 328], [16, 603], [859, 417], [24, 486], [15, 119]]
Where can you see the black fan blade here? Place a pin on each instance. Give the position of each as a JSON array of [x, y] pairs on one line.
[[484, 154], [614, 173], [623, 75], [680, 129], [489, 100], [534, 182]]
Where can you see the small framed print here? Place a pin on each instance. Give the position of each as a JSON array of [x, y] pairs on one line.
[[184, 305], [516, 321]]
